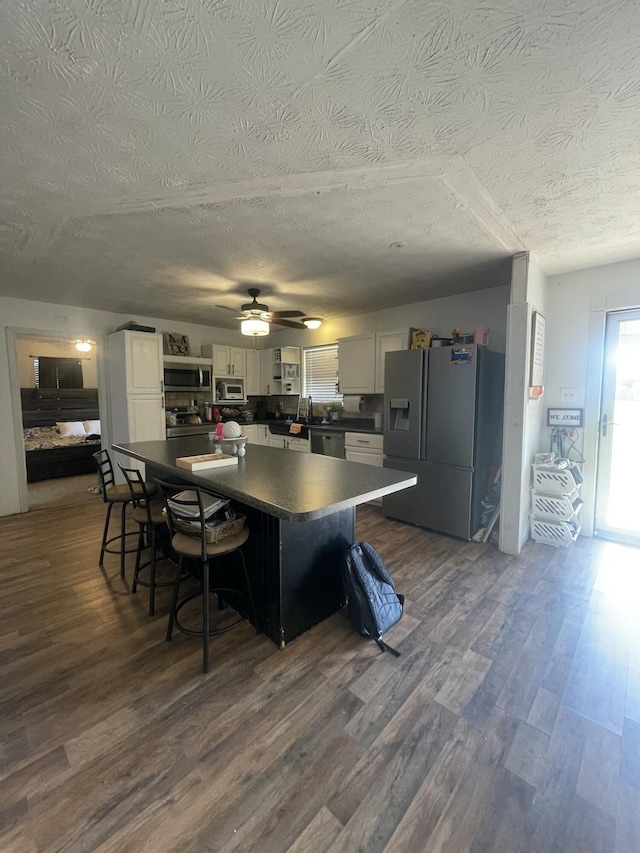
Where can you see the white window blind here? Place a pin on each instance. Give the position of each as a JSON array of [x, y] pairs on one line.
[[321, 373]]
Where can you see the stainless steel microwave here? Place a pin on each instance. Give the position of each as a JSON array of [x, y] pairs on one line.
[[186, 377]]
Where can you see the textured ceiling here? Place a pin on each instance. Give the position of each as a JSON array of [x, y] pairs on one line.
[[161, 157]]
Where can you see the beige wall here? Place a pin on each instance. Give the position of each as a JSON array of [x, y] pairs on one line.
[[29, 349]]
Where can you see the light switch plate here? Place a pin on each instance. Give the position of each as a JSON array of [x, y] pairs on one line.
[[568, 395]]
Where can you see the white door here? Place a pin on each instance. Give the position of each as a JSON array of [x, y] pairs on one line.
[[617, 513], [277, 441]]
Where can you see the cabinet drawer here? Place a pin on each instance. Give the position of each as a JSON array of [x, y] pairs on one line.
[[363, 440]]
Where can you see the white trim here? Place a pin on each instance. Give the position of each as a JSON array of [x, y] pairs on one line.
[[16, 405], [593, 400], [14, 334]]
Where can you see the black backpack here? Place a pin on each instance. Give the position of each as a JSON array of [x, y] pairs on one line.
[[372, 602]]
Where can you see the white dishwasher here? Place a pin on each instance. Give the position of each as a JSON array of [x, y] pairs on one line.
[[366, 448]]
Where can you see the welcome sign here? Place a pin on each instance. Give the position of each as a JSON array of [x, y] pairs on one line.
[[564, 417]]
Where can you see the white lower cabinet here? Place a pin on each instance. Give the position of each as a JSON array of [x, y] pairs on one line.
[[263, 434], [251, 432], [301, 445], [364, 448]]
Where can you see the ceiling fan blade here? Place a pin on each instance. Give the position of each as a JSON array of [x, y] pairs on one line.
[[281, 314], [225, 308], [291, 324]]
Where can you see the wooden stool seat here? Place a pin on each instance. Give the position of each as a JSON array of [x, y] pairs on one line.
[[190, 546]]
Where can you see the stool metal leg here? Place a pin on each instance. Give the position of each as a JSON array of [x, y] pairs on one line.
[[103, 547], [174, 599], [134, 585], [205, 616], [152, 569], [123, 524]]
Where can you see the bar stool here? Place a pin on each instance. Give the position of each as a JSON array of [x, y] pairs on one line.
[[194, 547], [148, 514], [114, 494]]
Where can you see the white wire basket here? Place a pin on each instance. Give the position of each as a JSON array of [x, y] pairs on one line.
[[556, 481], [556, 507], [560, 534]]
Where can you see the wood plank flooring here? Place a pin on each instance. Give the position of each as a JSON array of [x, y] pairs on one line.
[[511, 722]]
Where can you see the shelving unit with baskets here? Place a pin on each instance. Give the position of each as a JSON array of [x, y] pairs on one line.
[[556, 505]]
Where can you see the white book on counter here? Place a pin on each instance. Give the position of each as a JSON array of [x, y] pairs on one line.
[[206, 460]]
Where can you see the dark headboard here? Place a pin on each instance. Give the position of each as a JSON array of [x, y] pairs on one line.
[[46, 406]]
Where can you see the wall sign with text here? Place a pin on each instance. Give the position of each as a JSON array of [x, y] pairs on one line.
[[564, 417]]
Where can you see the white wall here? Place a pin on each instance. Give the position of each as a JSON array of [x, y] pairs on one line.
[[523, 418], [438, 315], [38, 319], [577, 305]]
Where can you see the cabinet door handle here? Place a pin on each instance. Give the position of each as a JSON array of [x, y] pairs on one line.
[[362, 441]]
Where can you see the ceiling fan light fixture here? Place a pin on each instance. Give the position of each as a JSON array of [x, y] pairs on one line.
[[83, 346], [312, 322], [254, 326]]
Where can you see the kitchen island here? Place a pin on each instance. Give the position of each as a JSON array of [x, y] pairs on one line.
[[300, 508]]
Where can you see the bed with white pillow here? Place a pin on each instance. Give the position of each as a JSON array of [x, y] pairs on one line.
[[61, 432]]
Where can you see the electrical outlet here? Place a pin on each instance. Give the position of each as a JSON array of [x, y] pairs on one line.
[[568, 395]]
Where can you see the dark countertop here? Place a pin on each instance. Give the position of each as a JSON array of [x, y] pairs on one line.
[[283, 483], [341, 426]]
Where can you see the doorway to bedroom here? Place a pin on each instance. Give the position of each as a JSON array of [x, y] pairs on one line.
[[60, 419]]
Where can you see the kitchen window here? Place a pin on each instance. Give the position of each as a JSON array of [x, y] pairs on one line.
[[321, 373]]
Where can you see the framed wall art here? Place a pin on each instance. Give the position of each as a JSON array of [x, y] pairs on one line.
[[176, 344]]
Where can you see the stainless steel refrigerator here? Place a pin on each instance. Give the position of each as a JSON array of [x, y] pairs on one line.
[[443, 422]]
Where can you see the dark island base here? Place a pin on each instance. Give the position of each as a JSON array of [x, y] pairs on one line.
[[294, 566]]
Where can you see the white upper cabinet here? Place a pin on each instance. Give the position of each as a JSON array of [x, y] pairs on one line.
[[143, 361], [391, 341], [266, 372], [227, 361], [252, 385], [356, 364], [361, 360]]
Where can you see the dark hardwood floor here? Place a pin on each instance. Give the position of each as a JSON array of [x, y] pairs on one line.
[[511, 722]]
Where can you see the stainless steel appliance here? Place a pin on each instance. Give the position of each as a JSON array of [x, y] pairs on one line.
[[184, 376], [328, 442], [185, 420], [443, 422]]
